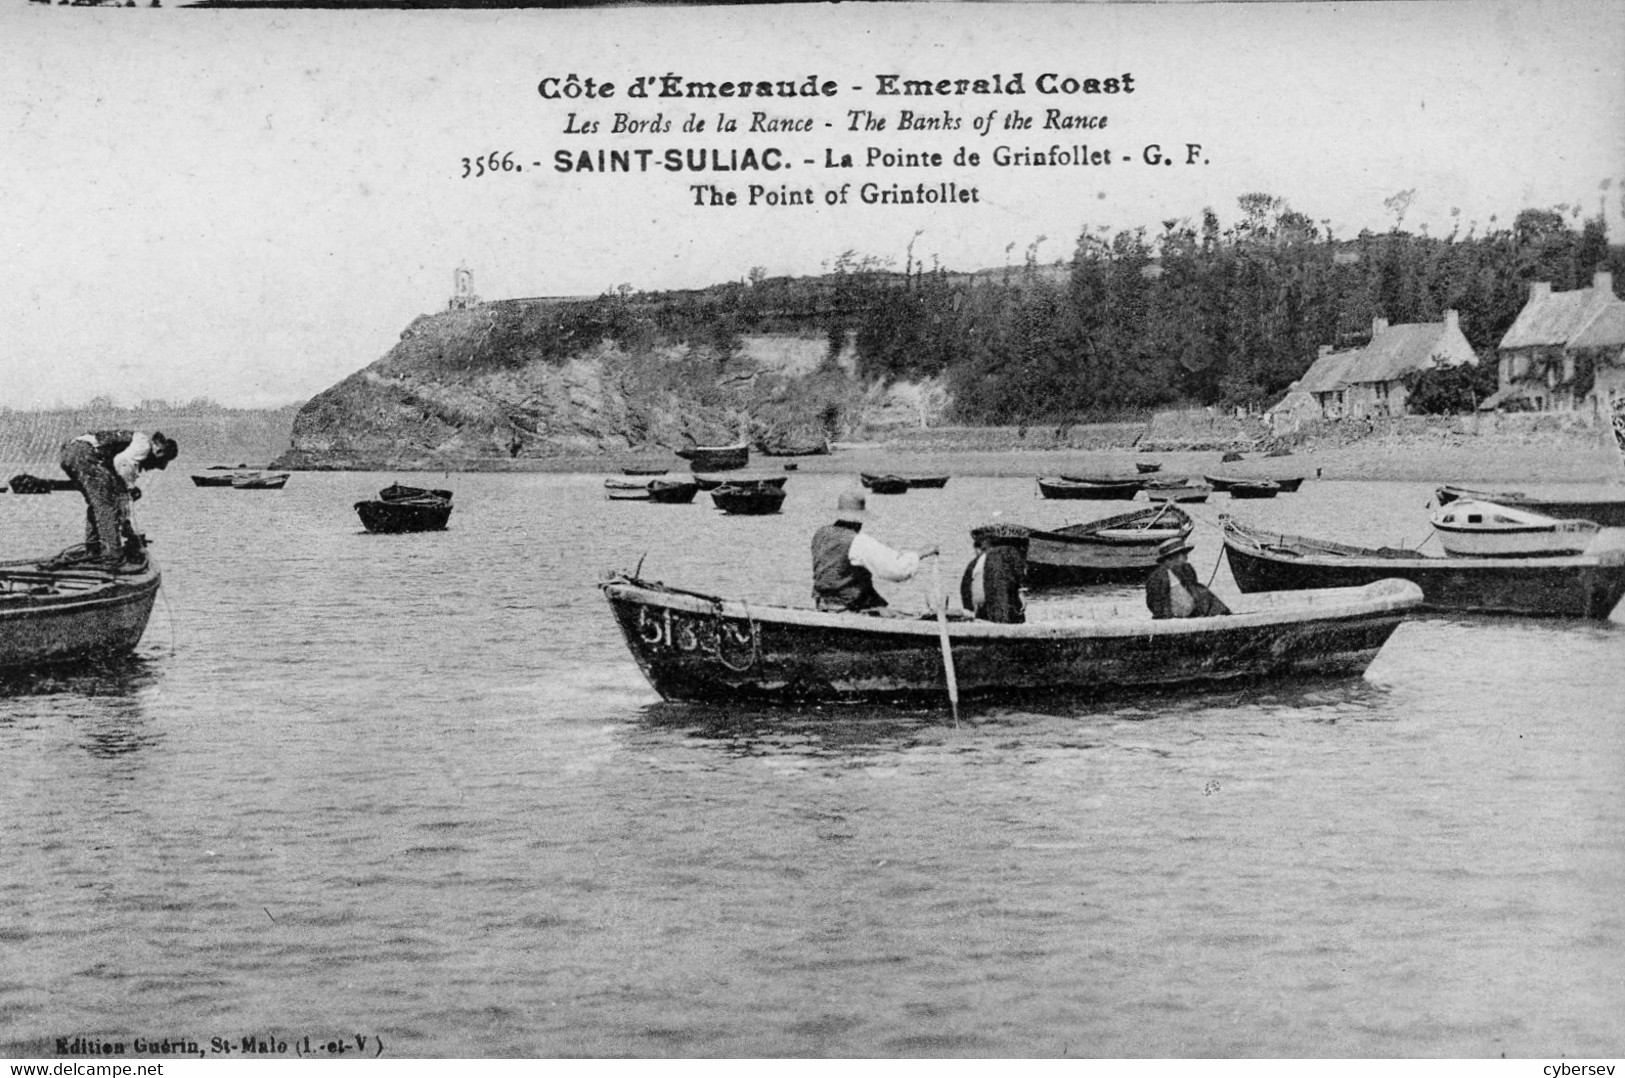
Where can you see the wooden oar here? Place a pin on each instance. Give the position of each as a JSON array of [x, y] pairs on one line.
[[940, 601]]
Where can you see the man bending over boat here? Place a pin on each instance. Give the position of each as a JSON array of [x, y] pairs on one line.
[[845, 561], [991, 586], [1172, 590], [105, 465]]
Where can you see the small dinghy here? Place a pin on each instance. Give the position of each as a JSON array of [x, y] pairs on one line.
[[756, 500], [1470, 528]]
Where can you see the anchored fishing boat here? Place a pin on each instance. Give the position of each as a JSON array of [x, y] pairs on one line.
[[1120, 549], [673, 491], [884, 484], [697, 647], [75, 613], [712, 482], [1476, 529], [1607, 511], [1580, 587]]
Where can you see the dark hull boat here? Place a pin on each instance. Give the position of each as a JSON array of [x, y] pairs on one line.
[[712, 482], [927, 482], [1585, 587], [643, 471], [694, 647], [751, 501], [68, 615], [1117, 550], [33, 484], [1071, 487], [395, 492], [1609, 512], [1241, 487], [673, 491], [884, 484], [1147, 467], [426, 514], [717, 458]]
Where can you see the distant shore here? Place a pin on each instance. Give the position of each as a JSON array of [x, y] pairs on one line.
[[1436, 451]]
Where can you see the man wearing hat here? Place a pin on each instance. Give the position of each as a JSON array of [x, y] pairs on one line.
[[845, 561], [105, 465], [1172, 590], [991, 586]]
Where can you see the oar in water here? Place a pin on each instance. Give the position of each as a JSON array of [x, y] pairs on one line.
[[940, 601]]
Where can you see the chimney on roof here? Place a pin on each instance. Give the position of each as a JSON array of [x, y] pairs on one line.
[[1378, 325], [1452, 322], [1603, 282], [1540, 289]]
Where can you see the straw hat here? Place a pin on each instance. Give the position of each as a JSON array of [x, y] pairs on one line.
[[852, 506], [1170, 547], [1000, 531]]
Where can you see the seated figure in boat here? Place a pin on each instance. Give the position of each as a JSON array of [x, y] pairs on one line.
[[993, 581], [105, 465], [1172, 590], [845, 561]]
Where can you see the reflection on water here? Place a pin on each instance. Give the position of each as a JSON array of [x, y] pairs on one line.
[[415, 786]]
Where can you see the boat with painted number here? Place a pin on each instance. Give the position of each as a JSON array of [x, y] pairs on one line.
[[703, 648]]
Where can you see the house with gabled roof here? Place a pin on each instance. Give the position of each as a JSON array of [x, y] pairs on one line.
[[1600, 349], [1540, 370], [1370, 381]]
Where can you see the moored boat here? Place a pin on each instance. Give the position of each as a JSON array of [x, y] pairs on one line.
[[1588, 587], [1178, 492], [1470, 528], [884, 484], [260, 481], [717, 458], [627, 490], [33, 484], [1077, 487], [754, 500], [1251, 487], [1604, 510], [220, 475], [396, 492], [1120, 549], [926, 482], [427, 512], [673, 491], [639, 470], [1147, 467], [712, 482], [70, 614], [703, 648]]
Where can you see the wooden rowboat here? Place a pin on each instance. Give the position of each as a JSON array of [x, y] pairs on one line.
[[712, 482], [717, 458], [67, 615], [396, 492], [1607, 511], [428, 513], [696, 647], [756, 500], [927, 482], [673, 491], [260, 481], [1583, 587], [884, 484], [1076, 487], [1120, 549]]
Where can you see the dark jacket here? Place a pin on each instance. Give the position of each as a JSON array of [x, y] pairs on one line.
[[1160, 589], [1004, 568], [837, 583]]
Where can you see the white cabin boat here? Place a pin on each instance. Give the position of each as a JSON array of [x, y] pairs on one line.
[[1478, 529]]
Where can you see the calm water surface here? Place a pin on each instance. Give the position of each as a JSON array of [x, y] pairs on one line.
[[413, 787]]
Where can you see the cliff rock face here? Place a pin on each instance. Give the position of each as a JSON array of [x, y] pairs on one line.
[[499, 383]]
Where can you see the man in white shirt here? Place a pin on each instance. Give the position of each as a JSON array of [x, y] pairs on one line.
[[105, 465], [845, 561]]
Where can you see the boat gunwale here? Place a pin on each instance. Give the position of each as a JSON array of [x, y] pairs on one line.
[[1246, 538]]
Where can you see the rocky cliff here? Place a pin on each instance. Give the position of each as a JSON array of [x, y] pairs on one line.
[[494, 385]]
